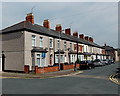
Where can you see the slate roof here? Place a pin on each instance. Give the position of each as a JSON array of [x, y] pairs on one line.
[[45, 31], [108, 48]]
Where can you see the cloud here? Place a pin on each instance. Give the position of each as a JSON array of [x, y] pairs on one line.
[[98, 20]]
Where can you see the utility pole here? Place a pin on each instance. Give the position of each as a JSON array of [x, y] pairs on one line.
[[59, 51], [75, 69]]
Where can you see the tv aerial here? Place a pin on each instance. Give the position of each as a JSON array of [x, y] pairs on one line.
[[32, 9]]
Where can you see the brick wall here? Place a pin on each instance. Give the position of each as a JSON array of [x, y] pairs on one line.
[[65, 67], [78, 65], [46, 69], [26, 68], [54, 68]]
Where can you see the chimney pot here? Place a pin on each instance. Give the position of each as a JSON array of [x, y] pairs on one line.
[[30, 18], [75, 34], [68, 31], [86, 38], [58, 28], [46, 23], [81, 36], [90, 39]]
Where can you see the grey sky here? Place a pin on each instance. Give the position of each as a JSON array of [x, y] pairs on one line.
[[99, 20]]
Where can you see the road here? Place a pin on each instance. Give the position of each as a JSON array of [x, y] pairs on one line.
[[94, 81]]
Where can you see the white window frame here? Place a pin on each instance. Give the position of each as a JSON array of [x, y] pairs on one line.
[[41, 42], [56, 59], [58, 46], [50, 43], [70, 46], [33, 40], [65, 45]]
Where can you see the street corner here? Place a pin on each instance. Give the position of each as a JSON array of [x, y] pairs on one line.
[[114, 79]]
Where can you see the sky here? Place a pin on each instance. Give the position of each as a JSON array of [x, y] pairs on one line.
[[95, 19]]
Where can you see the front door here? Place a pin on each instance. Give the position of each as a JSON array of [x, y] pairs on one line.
[[3, 62]]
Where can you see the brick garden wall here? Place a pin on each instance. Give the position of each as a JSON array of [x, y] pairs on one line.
[[65, 67], [46, 69], [54, 68]]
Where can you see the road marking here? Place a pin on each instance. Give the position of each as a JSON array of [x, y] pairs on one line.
[[114, 79], [68, 74], [91, 76], [43, 77]]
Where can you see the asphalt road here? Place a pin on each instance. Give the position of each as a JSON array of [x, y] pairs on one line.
[[94, 81]]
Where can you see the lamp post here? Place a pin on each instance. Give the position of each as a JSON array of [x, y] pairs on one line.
[[59, 49]]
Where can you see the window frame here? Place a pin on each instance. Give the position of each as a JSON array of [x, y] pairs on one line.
[[33, 40], [41, 42], [50, 39]]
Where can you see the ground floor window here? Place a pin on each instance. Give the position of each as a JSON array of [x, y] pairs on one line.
[[72, 58], [59, 58]]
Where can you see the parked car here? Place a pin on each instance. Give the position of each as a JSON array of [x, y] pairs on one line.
[[87, 64], [104, 62], [90, 64], [97, 62], [110, 61]]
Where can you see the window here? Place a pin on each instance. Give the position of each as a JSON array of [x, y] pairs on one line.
[[65, 45], [51, 43], [56, 60], [38, 60], [33, 40], [65, 58], [41, 41], [75, 46], [70, 46], [61, 59], [58, 43]]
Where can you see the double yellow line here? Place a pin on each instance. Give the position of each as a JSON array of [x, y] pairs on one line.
[[114, 79], [46, 77]]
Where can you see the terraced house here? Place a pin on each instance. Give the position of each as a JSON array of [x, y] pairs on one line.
[[31, 47]]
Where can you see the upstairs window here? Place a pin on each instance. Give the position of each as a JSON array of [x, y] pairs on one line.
[[41, 41], [65, 45], [51, 43], [33, 40], [58, 44], [70, 46]]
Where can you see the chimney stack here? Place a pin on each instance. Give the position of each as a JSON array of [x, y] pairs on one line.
[[75, 34], [68, 31], [58, 28], [81, 36], [86, 38], [46, 23], [90, 39], [30, 18]]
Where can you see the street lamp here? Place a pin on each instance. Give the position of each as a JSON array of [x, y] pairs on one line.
[[59, 49]]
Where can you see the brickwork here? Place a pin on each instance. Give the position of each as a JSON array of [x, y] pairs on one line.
[[46, 69], [26, 68]]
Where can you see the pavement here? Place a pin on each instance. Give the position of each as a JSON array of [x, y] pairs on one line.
[[93, 81], [39, 76]]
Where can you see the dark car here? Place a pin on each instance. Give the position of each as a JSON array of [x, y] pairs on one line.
[[110, 61], [97, 62], [90, 64], [86, 64]]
